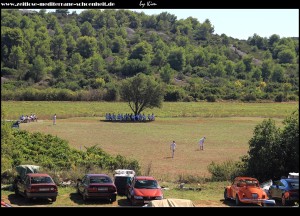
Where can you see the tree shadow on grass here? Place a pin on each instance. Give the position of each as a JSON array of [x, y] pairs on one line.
[[124, 202], [22, 201], [76, 198], [231, 203]]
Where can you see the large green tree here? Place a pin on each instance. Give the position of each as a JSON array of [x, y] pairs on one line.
[[141, 92], [274, 152]]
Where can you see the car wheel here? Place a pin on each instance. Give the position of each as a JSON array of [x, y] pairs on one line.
[[237, 200], [53, 199], [113, 199], [225, 195]]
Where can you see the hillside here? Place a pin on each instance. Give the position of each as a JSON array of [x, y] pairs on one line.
[[83, 57]]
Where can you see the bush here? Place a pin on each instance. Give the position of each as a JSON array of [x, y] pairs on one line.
[[211, 98], [249, 97], [280, 98], [225, 171]]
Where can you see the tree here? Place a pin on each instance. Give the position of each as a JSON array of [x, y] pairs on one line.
[[86, 46], [273, 152], [141, 92]]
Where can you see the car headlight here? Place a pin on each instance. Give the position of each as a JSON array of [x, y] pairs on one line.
[[138, 197], [159, 197]]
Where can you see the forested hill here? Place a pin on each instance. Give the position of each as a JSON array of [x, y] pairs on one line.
[[69, 56]]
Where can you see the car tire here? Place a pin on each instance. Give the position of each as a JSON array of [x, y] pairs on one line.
[[113, 199], [225, 195], [53, 199], [237, 200]]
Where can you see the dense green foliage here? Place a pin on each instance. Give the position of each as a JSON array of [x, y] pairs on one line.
[[21, 147], [63, 56], [273, 152], [141, 92]]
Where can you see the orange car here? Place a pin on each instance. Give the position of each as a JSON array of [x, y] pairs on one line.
[[245, 190]]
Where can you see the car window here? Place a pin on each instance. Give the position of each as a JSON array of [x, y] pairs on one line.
[[150, 184], [294, 185], [100, 179], [41, 180]]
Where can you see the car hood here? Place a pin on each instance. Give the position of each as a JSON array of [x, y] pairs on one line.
[[147, 192]]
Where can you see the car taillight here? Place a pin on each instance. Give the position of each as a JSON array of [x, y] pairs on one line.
[[112, 189], [53, 189]]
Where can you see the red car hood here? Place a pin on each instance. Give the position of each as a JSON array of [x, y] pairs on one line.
[[147, 192]]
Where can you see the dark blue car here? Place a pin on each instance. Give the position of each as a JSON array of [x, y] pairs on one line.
[[286, 190]]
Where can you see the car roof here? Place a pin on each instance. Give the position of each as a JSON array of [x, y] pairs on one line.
[[291, 180], [144, 178], [38, 175], [248, 178], [91, 175]]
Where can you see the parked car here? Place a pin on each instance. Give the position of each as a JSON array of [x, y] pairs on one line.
[[245, 190], [36, 185], [286, 190], [143, 189], [98, 186], [122, 180]]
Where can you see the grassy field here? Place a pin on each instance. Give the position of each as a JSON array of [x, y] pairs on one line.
[[45, 110], [228, 129]]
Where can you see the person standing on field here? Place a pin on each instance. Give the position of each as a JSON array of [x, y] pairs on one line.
[[54, 119], [173, 147], [201, 143]]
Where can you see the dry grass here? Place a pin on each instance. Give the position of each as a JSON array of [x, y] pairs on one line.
[[227, 138]]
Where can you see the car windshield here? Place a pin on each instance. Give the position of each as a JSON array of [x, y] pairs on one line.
[[248, 182], [41, 180], [148, 184], [100, 179]]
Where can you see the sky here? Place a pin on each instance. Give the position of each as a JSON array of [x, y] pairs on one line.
[[239, 23]]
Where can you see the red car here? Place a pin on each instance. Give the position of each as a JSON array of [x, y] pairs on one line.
[[97, 186], [245, 190], [143, 189], [36, 185]]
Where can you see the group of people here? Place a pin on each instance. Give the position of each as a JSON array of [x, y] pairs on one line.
[[129, 117], [25, 119], [173, 146]]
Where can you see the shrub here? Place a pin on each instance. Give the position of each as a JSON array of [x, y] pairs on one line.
[[280, 97], [210, 98], [225, 171], [249, 97]]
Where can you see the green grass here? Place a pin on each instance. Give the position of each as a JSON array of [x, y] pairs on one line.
[[227, 138], [228, 128], [45, 110]]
